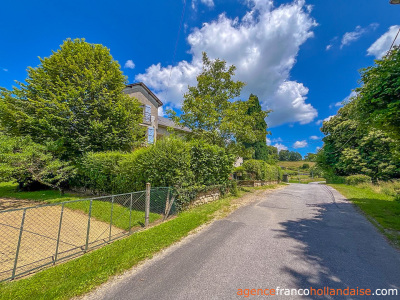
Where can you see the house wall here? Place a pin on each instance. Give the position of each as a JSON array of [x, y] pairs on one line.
[[143, 97]]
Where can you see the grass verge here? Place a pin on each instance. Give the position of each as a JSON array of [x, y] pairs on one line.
[[380, 208], [79, 276]]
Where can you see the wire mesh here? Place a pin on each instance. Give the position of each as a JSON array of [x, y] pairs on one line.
[[32, 238]]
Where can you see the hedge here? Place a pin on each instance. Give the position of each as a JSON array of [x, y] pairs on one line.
[[357, 179], [254, 169], [171, 162]]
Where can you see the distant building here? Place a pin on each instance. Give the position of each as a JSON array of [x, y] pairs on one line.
[[157, 127]]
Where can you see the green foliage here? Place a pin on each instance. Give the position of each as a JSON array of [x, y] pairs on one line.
[[98, 171], [259, 170], [167, 163], [209, 110], [286, 155], [170, 162], [357, 179], [29, 163], [379, 96], [310, 157], [259, 146], [305, 166], [210, 164], [74, 99], [349, 148]]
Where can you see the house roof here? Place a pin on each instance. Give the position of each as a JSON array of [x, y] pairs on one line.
[[147, 90], [169, 123]]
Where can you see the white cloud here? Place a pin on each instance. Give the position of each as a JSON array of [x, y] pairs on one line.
[[300, 144], [353, 36], [280, 147], [268, 141], [319, 122], [129, 64], [209, 3], [328, 47], [5, 70], [277, 140], [263, 45], [314, 137], [382, 44]]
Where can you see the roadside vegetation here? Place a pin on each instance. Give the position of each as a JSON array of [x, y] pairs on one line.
[[361, 152]]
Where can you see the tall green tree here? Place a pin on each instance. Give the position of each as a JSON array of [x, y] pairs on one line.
[[284, 155], [350, 148], [209, 109], [379, 95], [259, 145], [74, 99]]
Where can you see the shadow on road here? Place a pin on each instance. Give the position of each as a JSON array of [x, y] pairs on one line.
[[339, 248]]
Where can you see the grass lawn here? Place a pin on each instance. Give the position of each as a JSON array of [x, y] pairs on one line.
[[295, 164], [378, 206], [9, 190], [100, 210], [79, 276]]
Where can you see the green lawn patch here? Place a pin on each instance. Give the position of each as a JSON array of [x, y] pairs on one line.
[[376, 205], [102, 210], [9, 190]]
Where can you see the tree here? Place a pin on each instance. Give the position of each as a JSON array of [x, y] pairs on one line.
[[350, 148], [73, 99], [379, 95], [210, 111], [310, 157], [273, 155], [295, 156], [284, 155], [259, 145]]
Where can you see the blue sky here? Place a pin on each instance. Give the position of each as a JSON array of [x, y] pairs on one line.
[[300, 57]]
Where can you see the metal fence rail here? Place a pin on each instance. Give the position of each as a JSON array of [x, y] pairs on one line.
[[32, 238]]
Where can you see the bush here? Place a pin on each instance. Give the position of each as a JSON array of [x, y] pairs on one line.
[[32, 165], [259, 170], [98, 171], [210, 164], [170, 162], [357, 179], [305, 166]]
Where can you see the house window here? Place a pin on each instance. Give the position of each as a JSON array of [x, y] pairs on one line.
[[150, 135], [147, 114]]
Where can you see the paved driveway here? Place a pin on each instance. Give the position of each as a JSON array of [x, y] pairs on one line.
[[298, 237]]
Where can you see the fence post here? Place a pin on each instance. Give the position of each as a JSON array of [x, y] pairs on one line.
[[130, 213], [59, 232], [88, 226], [19, 244], [111, 216], [147, 206]]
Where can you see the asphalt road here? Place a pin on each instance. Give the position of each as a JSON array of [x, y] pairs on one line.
[[298, 237]]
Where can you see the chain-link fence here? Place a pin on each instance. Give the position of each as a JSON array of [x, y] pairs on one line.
[[32, 238]]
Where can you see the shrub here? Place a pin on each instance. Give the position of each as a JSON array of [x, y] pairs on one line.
[[305, 166], [357, 179], [170, 162], [210, 164], [259, 170], [32, 165], [98, 171]]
